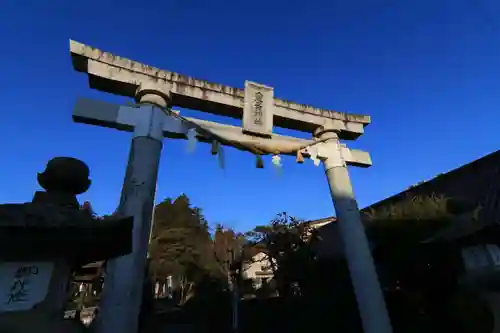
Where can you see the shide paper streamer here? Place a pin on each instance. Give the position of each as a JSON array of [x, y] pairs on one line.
[[220, 157], [276, 160], [313, 155], [191, 136]]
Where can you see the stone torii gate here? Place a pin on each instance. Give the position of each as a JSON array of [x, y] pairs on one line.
[[155, 91]]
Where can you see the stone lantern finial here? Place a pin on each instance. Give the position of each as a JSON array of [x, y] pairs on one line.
[[65, 175]]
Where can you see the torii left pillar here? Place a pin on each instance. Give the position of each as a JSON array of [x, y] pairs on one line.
[[122, 294]]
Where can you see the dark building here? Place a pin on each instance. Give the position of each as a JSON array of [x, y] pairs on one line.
[[477, 183]]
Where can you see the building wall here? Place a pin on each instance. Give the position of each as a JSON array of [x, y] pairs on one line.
[[258, 270]]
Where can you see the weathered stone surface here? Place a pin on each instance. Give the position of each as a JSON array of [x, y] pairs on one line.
[[24, 285], [121, 76], [37, 231]]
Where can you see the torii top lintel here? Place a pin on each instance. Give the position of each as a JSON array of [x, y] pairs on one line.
[[121, 76]]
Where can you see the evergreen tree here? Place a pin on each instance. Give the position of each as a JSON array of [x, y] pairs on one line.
[[180, 244], [287, 242]]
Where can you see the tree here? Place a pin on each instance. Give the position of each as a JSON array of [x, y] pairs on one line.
[[305, 283], [287, 244], [225, 248], [229, 248], [180, 244]]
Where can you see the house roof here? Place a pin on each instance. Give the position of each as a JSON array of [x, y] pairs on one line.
[[313, 223], [97, 264]]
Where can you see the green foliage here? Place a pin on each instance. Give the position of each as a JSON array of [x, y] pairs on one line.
[[409, 221], [228, 247], [287, 243], [180, 243]]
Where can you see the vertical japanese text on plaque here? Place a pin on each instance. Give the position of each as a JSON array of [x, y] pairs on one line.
[[257, 108], [19, 291]]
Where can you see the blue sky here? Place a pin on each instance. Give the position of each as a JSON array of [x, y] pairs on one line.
[[428, 72]]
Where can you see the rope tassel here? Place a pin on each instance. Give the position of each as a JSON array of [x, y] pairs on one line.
[[259, 162], [215, 147], [300, 158], [220, 157]]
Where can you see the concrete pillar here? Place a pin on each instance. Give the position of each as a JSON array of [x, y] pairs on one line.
[[369, 296], [122, 294]]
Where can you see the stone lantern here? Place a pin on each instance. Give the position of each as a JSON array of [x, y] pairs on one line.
[[43, 241]]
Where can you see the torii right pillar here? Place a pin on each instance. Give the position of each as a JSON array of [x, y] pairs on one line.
[[369, 296]]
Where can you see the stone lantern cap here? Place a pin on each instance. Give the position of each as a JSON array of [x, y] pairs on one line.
[[53, 226]]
